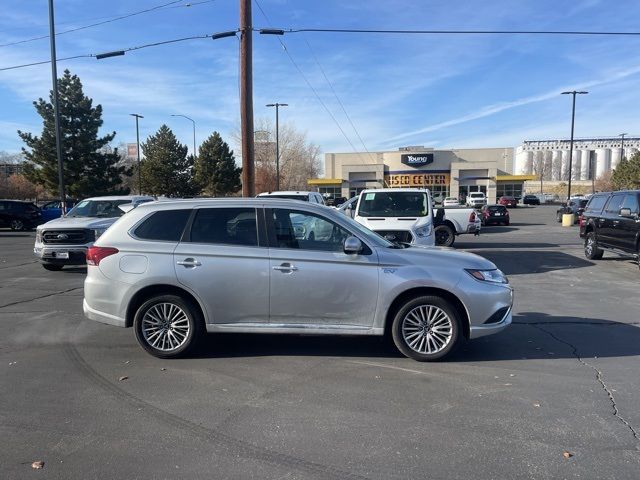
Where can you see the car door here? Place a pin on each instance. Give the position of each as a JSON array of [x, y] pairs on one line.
[[51, 211], [224, 260], [627, 228], [313, 282], [609, 220]]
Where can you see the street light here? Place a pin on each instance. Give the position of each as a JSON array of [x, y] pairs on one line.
[[277, 105], [138, 150], [573, 117], [622, 135], [194, 131]]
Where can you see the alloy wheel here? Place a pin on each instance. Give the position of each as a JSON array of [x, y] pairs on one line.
[[427, 329], [165, 327]]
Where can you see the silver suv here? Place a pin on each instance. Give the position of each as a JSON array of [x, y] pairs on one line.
[[177, 269]]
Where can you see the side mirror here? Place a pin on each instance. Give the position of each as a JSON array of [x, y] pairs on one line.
[[352, 246], [625, 212]]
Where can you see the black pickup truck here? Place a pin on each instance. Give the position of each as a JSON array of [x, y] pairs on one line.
[[611, 221]]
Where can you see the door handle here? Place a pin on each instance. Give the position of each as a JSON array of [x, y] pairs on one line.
[[189, 263], [286, 268]]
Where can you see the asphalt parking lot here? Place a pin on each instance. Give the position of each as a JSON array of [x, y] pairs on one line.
[[565, 377]]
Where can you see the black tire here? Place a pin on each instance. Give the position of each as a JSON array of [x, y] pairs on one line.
[[401, 327], [444, 236], [591, 250], [17, 225], [194, 325], [52, 267], [559, 217]]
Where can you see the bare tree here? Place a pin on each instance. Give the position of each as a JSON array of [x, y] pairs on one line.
[[604, 183], [540, 168], [299, 158]]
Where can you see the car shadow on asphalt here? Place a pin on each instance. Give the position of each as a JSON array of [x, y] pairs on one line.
[[472, 245], [535, 336], [524, 262], [13, 235]]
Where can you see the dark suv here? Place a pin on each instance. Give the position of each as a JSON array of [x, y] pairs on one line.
[[611, 222], [19, 215]]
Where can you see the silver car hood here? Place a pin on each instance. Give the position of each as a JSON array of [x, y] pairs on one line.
[[79, 222], [433, 257]]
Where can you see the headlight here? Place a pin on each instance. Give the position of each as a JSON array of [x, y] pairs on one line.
[[99, 231], [38, 236], [424, 231], [492, 276]]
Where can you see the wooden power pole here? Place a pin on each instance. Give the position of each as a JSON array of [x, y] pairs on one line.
[[246, 99]]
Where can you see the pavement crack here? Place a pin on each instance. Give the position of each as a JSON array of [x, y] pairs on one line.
[[599, 378], [40, 297]]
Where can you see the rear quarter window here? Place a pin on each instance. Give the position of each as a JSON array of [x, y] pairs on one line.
[[164, 226]]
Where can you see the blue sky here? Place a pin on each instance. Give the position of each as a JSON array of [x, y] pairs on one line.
[[438, 91]]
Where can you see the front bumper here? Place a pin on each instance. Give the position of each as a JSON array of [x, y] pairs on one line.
[[478, 331], [76, 255]]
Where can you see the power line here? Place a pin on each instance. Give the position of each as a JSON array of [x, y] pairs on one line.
[[458, 32], [286, 51], [121, 52], [111, 20]]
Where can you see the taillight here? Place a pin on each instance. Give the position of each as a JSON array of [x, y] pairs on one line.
[[581, 220], [96, 254], [472, 217]]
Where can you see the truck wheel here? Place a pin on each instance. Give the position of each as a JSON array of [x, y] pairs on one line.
[[426, 328], [445, 236], [591, 250]]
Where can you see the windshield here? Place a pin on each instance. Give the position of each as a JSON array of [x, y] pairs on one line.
[[394, 204], [362, 231], [98, 208]]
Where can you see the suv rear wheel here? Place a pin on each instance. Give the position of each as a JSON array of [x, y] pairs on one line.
[[426, 328], [167, 326], [591, 250]]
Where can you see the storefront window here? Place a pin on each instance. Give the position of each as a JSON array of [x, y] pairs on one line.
[[330, 192], [509, 189]]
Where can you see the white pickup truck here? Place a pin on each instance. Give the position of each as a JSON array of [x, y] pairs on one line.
[[476, 199], [407, 215]]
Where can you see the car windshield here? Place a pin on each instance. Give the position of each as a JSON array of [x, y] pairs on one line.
[[394, 204], [304, 198], [362, 231], [98, 208]]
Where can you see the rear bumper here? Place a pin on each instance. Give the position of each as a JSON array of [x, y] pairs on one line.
[[102, 317]]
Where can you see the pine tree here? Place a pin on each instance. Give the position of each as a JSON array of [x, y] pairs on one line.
[[627, 173], [166, 168], [215, 169], [90, 168]]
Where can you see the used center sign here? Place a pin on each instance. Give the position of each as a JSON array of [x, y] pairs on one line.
[[417, 159]]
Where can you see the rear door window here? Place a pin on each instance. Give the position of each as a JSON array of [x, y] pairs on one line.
[[614, 204], [163, 226], [225, 226]]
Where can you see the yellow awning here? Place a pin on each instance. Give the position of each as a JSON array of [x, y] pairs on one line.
[[324, 181], [520, 178]]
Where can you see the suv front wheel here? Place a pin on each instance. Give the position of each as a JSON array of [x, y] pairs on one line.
[[591, 250], [167, 326], [426, 328]]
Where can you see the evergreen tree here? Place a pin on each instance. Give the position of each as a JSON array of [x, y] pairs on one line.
[[626, 176], [215, 169], [166, 168], [90, 167]]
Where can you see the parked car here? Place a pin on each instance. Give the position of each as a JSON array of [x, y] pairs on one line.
[[507, 201], [476, 199], [19, 215], [495, 214], [575, 206], [312, 197], [335, 202], [611, 222], [531, 200], [451, 202], [175, 270], [65, 240], [52, 210]]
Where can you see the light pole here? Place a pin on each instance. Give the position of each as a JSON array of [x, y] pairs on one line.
[[138, 150], [573, 117], [56, 107], [194, 131], [277, 105], [622, 135]]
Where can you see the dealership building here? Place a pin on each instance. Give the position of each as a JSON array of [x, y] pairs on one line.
[[454, 172]]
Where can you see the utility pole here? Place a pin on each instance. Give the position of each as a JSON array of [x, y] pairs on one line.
[[622, 135], [573, 118], [138, 151], [56, 108], [246, 99], [277, 105]]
